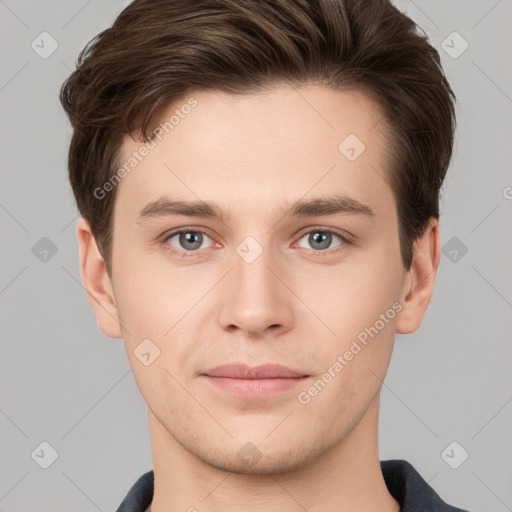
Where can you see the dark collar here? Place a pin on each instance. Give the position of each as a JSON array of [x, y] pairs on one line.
[[404, 483]]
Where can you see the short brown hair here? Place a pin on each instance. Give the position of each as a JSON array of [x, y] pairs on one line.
[[160, 50]]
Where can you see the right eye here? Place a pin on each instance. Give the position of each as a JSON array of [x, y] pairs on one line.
[[186, 241]]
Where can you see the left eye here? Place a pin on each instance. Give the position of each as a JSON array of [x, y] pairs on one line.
[[321, 239]]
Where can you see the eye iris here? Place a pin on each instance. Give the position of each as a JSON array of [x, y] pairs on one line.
[[191, 238], [321, 237]]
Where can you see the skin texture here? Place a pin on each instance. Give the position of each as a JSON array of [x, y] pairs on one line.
[[295, 305]]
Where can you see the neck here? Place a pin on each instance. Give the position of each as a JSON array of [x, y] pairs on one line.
[[345, 477]]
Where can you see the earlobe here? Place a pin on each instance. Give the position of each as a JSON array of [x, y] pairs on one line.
[[97, 282], [419, 285]]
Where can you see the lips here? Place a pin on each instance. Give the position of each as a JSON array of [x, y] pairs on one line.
[[243, 371], [253, 383]]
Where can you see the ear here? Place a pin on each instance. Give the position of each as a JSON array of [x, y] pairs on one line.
[[97, 282], [419, 283]]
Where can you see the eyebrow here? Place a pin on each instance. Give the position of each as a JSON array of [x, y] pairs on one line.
[[331, 205]]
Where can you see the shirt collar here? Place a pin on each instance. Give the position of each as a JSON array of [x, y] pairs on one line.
[[404, 483]]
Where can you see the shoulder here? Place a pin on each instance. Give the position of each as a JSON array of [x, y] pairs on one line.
[[140, 495], [410, 489]]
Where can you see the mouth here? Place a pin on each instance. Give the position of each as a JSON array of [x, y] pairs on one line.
[[253, 382], [243, 371]]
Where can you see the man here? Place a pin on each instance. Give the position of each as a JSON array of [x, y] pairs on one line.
[[258, 183]]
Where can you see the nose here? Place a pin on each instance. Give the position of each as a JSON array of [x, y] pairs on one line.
[[255, 300]]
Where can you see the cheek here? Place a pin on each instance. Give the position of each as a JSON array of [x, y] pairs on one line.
[[359, 304], [350, 298], [151, 296]]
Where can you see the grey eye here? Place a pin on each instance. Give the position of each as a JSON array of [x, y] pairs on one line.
[[188, 240], [319, 239]]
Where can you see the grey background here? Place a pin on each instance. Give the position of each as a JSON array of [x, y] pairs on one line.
[[62, 381]]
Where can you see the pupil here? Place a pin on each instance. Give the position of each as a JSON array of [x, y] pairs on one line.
[[188, 238], [322, 238]]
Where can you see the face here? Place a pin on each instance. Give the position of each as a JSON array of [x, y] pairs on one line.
[[313, 288]]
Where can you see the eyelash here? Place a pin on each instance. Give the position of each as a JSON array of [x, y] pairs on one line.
[[326, 252]]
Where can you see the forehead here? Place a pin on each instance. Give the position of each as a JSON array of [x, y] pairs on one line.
[[285, 142]]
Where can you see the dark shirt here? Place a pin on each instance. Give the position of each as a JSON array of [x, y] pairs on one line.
[[404, 483]]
